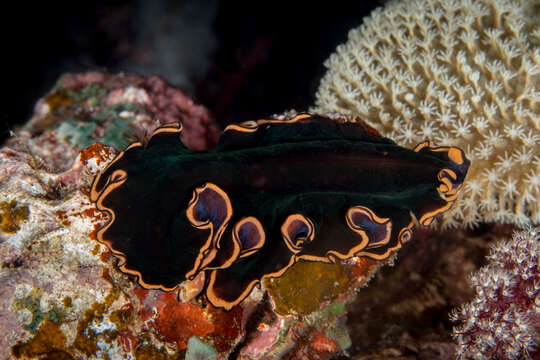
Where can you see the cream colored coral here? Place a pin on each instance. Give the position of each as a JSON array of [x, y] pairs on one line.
[[458, 72]]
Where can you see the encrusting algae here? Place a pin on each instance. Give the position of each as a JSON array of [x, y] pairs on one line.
[[48, 343], [11, 216], [306, 286]]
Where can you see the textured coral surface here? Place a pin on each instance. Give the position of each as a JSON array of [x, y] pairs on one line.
[[463, 73]]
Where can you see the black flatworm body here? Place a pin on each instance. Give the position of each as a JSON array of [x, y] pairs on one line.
[[272, 192]]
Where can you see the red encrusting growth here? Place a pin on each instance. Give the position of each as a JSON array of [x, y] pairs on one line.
[[177, 322], [97, 152]]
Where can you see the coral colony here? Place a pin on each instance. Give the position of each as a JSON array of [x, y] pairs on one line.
[[461, 73], [130, 228], [501, 321]]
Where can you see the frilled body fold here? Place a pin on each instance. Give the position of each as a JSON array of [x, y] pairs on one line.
[[271, 193]]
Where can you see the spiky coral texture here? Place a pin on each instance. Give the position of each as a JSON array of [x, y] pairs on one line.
[[458, 72], [502, 319]]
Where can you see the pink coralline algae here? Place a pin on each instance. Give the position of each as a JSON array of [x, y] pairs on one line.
[[114, 109], [503, 318]]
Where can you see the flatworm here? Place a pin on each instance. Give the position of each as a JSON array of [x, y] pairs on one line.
[[271, 193]]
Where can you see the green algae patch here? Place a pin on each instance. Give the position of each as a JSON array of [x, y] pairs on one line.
[[91, 94], [303, 288], [48, 343], [12, 215], [31, 302], [115, 119], [76, 132], [83, 117]]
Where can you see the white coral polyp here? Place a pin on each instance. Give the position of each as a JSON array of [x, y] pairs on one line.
[[458, 72]]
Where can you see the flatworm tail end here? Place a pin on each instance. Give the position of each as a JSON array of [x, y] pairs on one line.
[[451, 177]]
